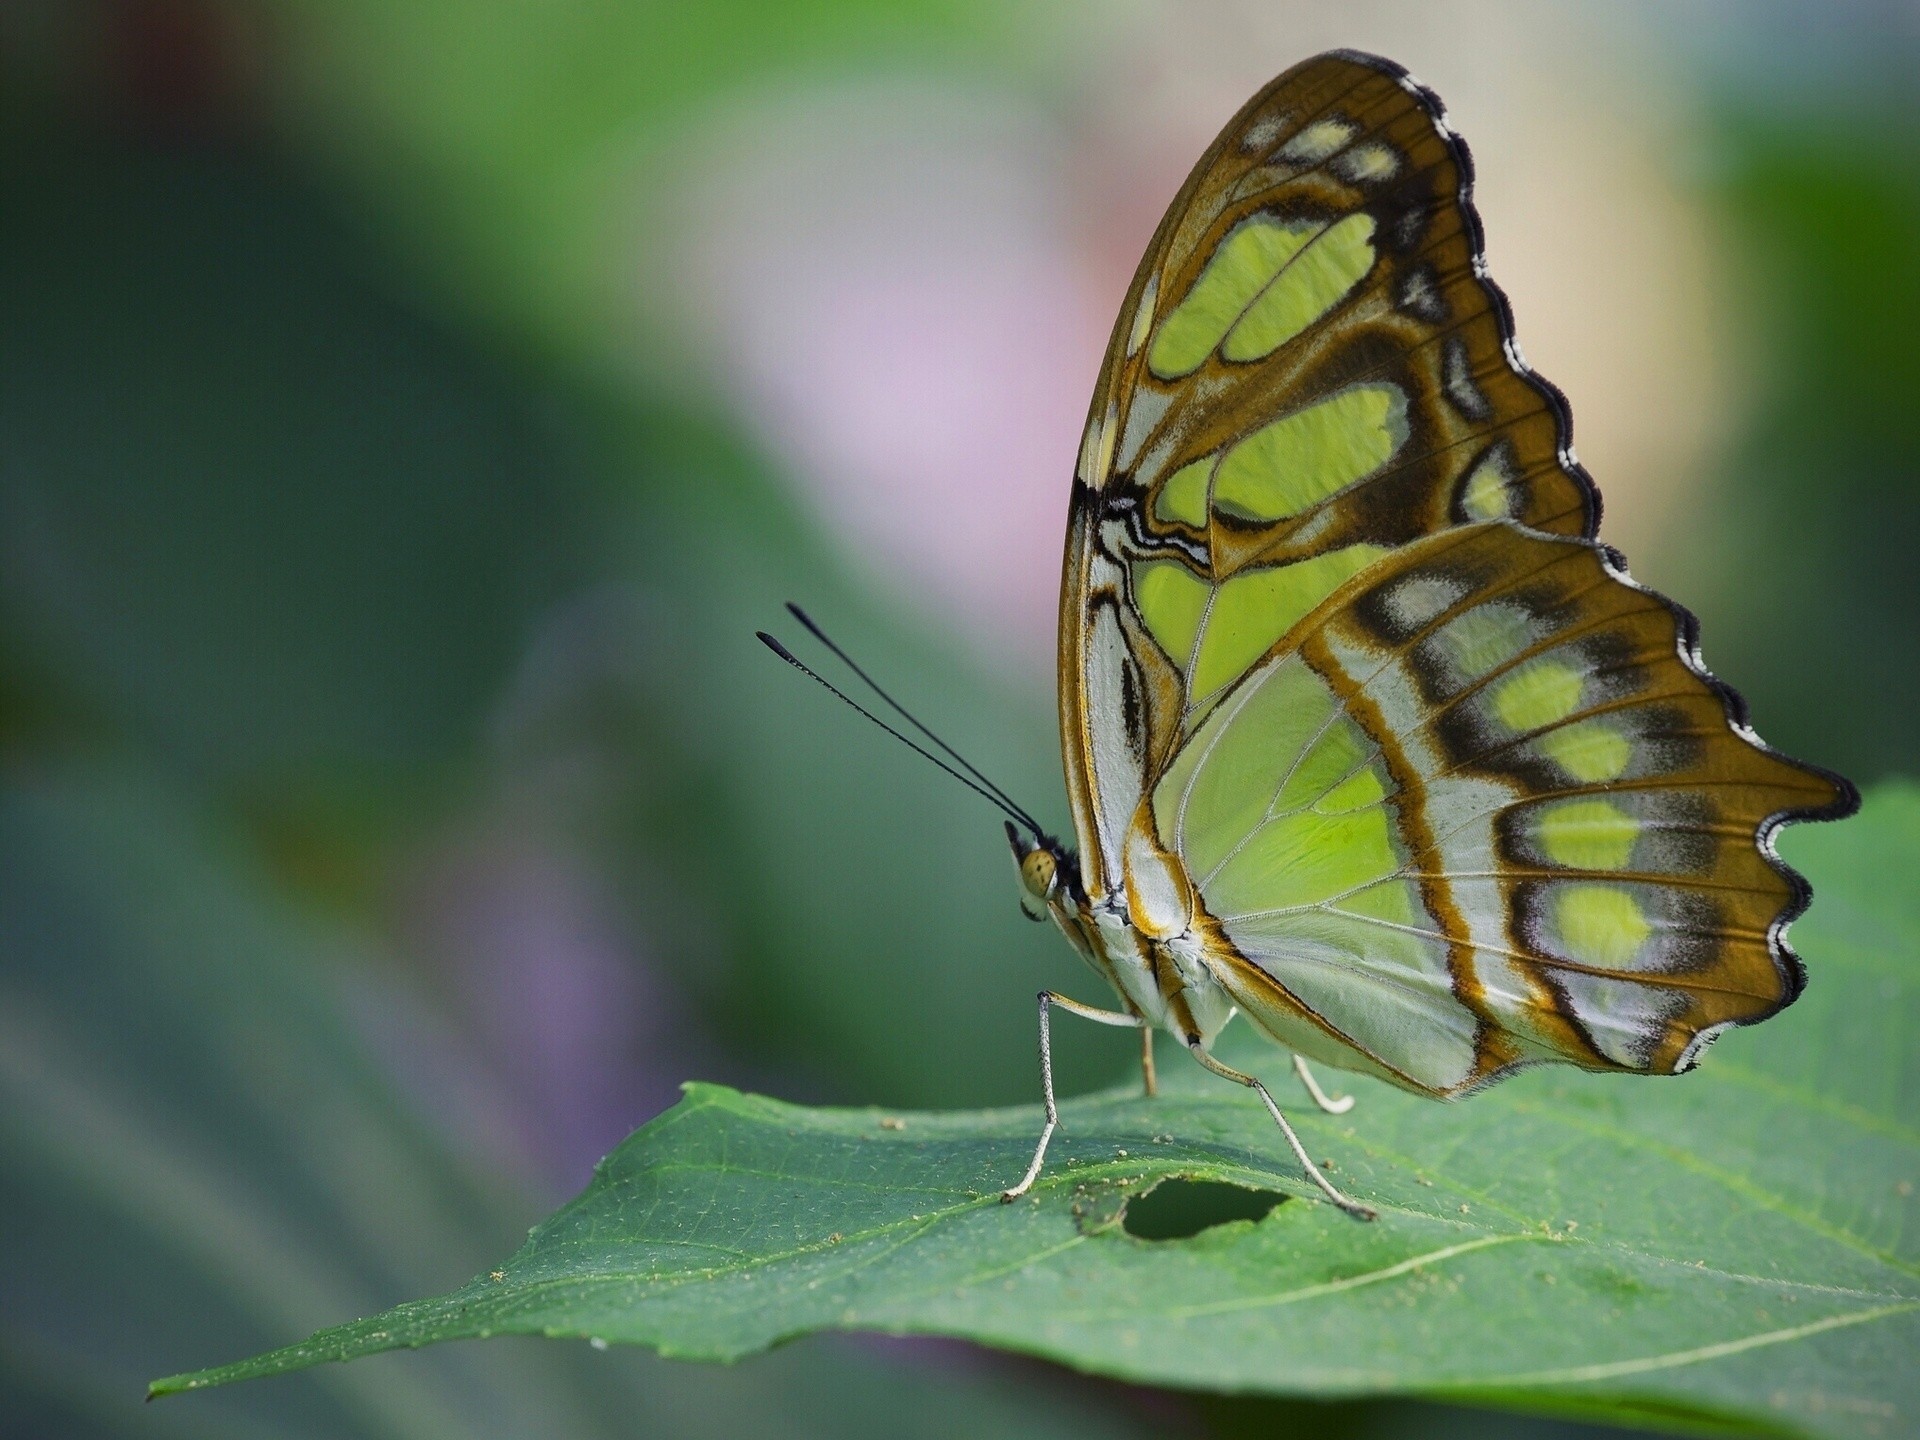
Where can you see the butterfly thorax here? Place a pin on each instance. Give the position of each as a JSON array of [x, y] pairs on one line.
[[1145, 940]]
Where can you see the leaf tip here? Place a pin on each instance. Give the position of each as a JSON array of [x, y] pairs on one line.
[[170, 1385]]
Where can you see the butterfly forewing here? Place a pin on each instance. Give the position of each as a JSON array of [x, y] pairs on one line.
[[1427, 842], [1309, 369]]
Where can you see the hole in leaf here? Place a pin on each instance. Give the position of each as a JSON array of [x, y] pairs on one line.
[[1179, 1209]]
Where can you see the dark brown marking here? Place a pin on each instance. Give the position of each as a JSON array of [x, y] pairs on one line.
[[1409, 806]]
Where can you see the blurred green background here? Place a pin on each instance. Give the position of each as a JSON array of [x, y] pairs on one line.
[[408, 410]]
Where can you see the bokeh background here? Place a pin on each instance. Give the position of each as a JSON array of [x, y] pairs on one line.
[[410, 408]]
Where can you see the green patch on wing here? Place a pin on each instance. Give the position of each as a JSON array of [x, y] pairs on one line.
[[1235, 623], [1299, 460], [1316, 280], [1243, 265], [1266, 283], [1255, 608]]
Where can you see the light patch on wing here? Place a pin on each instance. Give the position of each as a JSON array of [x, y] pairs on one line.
[[1590, 751], [1408, 228], [1118, 773], [1183, 498], [1487, 492], [1254, 609], [1264, 131], [1368, 162], [1420, 599], [1420, 296], [1538, 694], [1308, 286], [1317, 141], [1480, 640], [1317, 526], [1096, 449], [1587, 834], [1173, 602], [1297, 461], [1456, 374], [1143, 316], [1146, 408], [1626, 1020], [1242, 265], [1628, 928], [1634, 925]]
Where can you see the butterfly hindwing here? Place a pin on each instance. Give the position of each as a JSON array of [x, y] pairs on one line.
[[1480, 809], [1449, 793]]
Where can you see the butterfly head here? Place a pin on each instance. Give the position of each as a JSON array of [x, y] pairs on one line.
[[1045, 868]]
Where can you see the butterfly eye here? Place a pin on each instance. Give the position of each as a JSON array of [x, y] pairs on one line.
[[1039, 873]]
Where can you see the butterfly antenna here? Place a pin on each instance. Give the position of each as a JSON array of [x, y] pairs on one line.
[[992, 796], [1006, 800]]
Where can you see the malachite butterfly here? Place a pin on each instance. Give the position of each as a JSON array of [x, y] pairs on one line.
[[1367, 737]]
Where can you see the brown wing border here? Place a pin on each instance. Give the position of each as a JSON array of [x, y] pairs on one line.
[[1456, 143], [1846, 801]]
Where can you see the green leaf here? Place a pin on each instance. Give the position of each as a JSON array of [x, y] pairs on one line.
[[1732, 1251]]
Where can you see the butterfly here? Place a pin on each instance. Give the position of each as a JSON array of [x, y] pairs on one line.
[[1367, 737]]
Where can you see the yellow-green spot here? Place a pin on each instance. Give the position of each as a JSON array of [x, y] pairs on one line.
[[1184, 495], [1587, 834], [1486, 495], [1317, 280], [1255, 609], [1239, 270], [1299, 460], [1483, 638], [1591, 752], [1537, 695], [1172, 601], [1600, 925]]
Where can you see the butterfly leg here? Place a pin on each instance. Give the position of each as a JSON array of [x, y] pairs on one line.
[[1332, 1105], [1104, 1017], [1352, 1207], [1146, 1061]]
